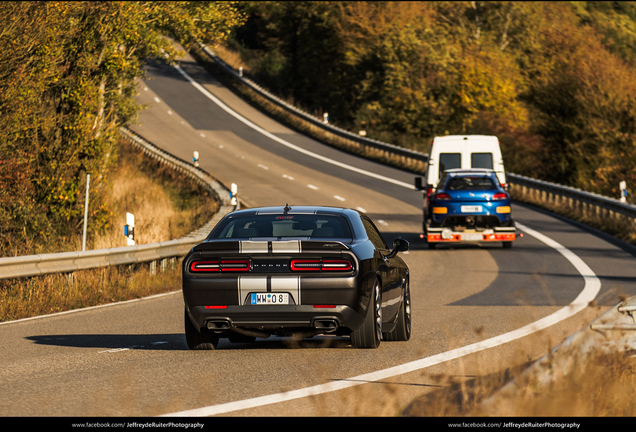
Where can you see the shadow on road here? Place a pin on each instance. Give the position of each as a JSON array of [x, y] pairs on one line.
[[153, 342]]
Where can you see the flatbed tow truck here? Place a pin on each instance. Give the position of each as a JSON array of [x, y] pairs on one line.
[[476, 223]]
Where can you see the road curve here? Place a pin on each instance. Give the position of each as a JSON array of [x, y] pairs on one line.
[[130, 359]]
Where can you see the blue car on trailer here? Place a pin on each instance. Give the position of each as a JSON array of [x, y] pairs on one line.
[[469, 205]]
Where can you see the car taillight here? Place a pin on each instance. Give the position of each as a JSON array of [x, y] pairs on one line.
[[499, 196], [338, 265], [221, 266], [320, 265], [304, 265], [442, 196]]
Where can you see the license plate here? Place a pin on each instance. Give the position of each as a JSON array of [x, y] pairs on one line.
[[270, 298], [471, 209], [472, 236]]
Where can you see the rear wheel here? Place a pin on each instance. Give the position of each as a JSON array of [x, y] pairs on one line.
[[402, 330], [370, 333], [507, 245], [199, 340]]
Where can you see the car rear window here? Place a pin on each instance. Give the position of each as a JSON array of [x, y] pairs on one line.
[[481, 160], [283, 226], [449, 161], [470, 183]]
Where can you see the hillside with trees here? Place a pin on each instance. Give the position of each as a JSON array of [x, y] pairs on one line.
[[67, 84], [555, 81]]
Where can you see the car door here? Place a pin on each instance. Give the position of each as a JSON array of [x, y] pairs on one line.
[[388, 272]]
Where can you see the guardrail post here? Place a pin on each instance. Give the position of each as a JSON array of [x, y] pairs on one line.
[[153, 267]]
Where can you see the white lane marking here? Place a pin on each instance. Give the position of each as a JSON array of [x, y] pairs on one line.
[[157, 99], [282, 141], [339, 198], [361, 209], [288, 177], [312, 187], [114, 350], [383, 223], [589, 292], [262, 166], [169, 112], [202, 135]]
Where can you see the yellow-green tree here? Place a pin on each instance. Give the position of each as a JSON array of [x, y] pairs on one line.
[[67, 82]]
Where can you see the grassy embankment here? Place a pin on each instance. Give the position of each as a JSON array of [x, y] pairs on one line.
[[600, 385], [166, 205]]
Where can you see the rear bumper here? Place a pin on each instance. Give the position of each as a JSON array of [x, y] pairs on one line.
[[273, 318], [446, 235]]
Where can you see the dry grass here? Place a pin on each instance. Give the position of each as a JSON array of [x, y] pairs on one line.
[[600, 384], [232, 58], [166, 205], [603, 385], [29, 297]]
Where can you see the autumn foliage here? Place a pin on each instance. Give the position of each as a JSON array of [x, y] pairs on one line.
[[67, 83], [555, 81]]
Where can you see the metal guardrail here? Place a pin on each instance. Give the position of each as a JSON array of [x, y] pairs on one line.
[[551, 192], [68, 262]]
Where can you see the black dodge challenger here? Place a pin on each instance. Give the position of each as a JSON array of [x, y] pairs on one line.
[[297, 271]]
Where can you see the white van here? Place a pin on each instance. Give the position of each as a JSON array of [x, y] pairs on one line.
[[460, 151], [464, 151]]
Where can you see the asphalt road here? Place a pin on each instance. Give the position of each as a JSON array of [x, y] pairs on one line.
[[130, 359]]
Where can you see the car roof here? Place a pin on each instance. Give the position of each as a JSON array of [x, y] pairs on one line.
[[294, 210], [469, 171]]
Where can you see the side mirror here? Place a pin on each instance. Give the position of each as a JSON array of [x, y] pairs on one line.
[[418, 183], [399, 245]]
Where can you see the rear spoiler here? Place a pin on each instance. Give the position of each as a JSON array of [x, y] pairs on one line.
[[271, 246]]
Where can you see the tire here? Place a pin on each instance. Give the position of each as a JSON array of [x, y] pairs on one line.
[[507, 245], [402, 330], [199, 340], [370, 333]]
